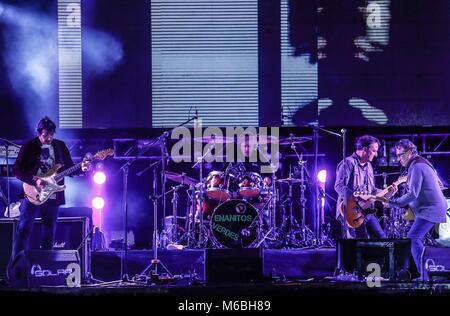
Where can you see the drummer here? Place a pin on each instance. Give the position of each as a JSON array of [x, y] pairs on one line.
[[248, 164]]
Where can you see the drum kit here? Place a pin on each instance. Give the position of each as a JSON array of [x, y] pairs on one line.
[[238, 208]]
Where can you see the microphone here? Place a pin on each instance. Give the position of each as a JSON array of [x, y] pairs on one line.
[[343, 131], [196, 114]]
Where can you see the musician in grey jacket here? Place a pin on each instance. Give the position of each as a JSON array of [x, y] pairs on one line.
[[355, 173], [424, 196]]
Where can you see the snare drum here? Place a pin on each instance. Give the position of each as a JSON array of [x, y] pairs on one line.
[[250, 185], [217, 187]]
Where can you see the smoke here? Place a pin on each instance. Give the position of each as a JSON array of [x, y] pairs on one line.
[[102, 52], [31, 58]]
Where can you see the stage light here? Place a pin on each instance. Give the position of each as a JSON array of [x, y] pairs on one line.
[[98, 203], [99, 177], [322, 176]]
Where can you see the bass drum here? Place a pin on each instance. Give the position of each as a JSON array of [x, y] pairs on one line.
[[233, 224]]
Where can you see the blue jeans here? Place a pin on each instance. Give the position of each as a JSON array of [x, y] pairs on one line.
[[418, 230], [28, 212], [371, 228]]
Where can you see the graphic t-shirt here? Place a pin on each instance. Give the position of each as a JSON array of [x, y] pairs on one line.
[[47, 161]]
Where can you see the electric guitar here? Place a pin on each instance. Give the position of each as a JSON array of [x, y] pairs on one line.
[[38, 196], [360, 204]]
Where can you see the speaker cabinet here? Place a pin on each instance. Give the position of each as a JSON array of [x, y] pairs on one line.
[[392, 255], [71, 234], [37, 268], [234, 265]]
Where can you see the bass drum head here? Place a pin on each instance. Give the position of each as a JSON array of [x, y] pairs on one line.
[[233, 224]]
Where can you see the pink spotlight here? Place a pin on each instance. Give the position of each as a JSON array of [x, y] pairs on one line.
[[322, 176], [98, 203], [99, 177]]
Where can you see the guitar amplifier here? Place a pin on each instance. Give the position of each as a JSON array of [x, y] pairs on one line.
[[37, 268], [71, 234]]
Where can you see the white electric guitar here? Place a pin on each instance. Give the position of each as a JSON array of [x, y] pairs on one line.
[[38, 196]]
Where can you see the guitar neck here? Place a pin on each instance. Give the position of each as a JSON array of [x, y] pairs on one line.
[[68, 171], [386, 191]]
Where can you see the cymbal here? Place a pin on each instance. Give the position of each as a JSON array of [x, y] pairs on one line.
[[180, 178], [289, 180], [216, 139], [260, 139], [294, 140]]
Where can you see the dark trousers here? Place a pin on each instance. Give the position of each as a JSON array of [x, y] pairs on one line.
[[28, 212], [418, 230], [371, 228]]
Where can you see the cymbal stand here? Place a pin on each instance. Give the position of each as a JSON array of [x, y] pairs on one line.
[[307, 236], [202, 243], [189, 227], [261, 236], [173, 230], [289, 221]]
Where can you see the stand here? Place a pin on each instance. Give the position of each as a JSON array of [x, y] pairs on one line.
[[306, 234], [7, 144], [154, 276], [343, 134], [201, 242]]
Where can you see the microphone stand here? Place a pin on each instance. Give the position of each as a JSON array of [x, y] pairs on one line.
[[154, 276], [316, 129], [8, 143], [125, 171]]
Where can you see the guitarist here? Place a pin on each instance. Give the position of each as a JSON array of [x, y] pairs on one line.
[[36, 157], [424, 196], [355, 173]]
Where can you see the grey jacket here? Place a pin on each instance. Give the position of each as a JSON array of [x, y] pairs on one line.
[[351, 175], [424, 195]]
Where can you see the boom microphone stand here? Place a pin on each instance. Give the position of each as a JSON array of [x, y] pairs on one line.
[[316, 129]]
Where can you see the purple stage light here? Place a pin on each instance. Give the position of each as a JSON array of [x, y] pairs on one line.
[[322, 176], [99, 177], [98, 203]]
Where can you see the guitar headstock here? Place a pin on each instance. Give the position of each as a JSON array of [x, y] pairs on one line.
[[102, 154]]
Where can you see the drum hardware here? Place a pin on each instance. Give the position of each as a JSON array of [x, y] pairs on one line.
[[292, 140], [189, 229], [180, 178], [202, 241], [214, 139], [172, 232], [289, 224], [272, 232]]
